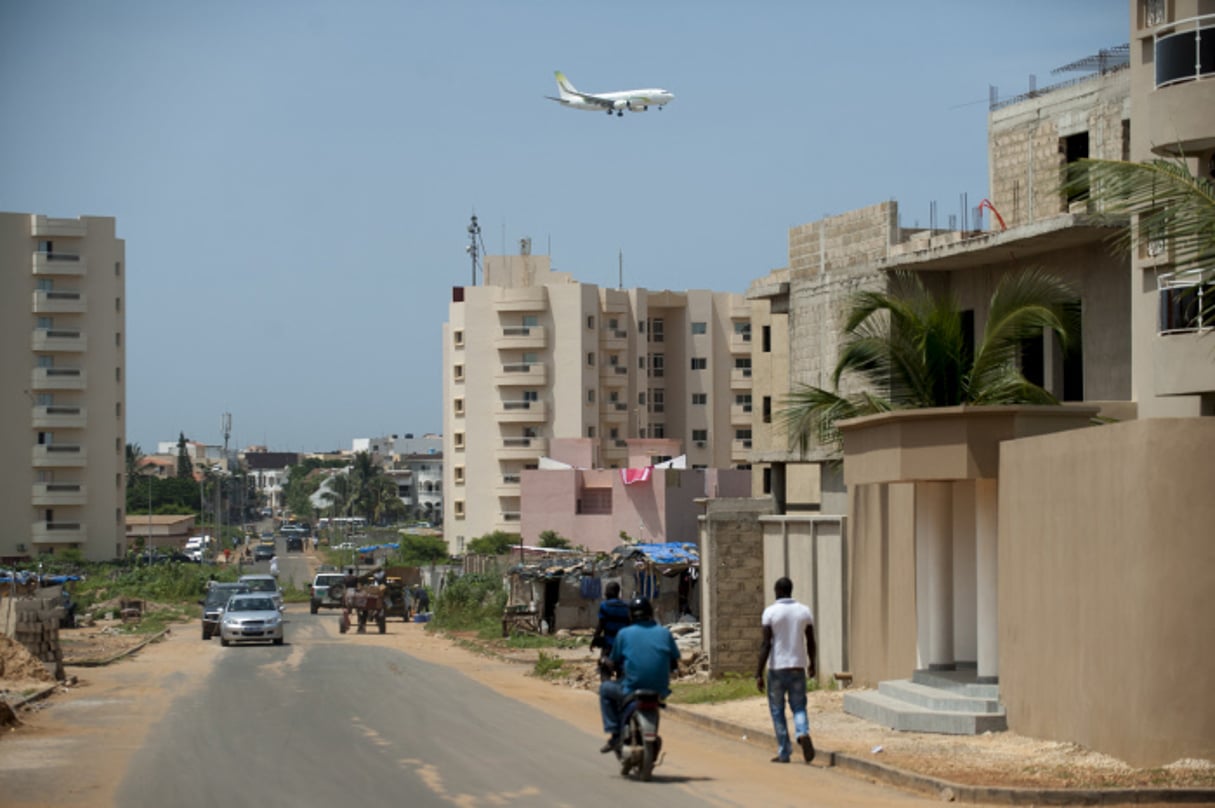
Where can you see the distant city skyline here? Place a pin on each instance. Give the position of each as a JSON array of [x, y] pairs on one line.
[[293, 181]]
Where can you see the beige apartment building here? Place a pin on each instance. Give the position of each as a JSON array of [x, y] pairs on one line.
[[531, 355], [62, 401]]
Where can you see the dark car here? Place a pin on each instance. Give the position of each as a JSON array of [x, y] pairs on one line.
[[295, 544], [263, 552], [213, 606]]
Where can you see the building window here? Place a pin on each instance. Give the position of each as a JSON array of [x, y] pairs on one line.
[[744, 365], [117, 339], [457, 405], [614, 433], [590, 321], [531, 395], [699, 363], [117, 268], [1074, 148], [590, 359], [458, 507], [118, 408], [458, 475], [743, 400], [641, 399], [118, 304], [767, 414], [700, 435], [613, 324], [657, 400], [767, 480], [590, 395], [641, 326], [457, 337], [743, 331], [1185, 304], [657, 365], [656, 330], [767, 339], [700, 399], [458, 440], [658, 431], [699, 328], [1154, 13], [590, 431], [118, 375], [457, 372]]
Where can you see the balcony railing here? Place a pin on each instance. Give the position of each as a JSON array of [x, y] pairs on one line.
[[58, 264], [59, 494], [58, 532], [58, 339], [56, 302], [59, 417], [50, 227], [518, 337], [57, 379], [1185, 50], [58, 455]]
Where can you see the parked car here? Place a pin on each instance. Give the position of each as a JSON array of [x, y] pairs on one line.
[[295, 544], [320, 591], [263, 552], [213, 605], [261, 583], [251, 617]]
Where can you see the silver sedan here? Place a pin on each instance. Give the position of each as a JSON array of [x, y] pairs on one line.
[[251, 618]]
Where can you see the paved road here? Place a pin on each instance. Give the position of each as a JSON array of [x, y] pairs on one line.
[[329, 720]]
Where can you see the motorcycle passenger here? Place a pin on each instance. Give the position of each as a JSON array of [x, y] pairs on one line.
[[646, 653], [613, 616]]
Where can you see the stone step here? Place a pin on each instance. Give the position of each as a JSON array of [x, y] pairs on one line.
[[961, 681], [872, 705], [939, 699]]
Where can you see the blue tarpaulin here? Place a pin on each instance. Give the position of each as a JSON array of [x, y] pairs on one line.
[[666, 552]]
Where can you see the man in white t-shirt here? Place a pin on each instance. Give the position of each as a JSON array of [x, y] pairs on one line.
[[788, 653]]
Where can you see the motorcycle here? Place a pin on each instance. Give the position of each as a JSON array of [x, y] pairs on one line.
[[640, 745]]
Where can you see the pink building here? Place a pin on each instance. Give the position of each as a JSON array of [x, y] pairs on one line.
[[591, 507]]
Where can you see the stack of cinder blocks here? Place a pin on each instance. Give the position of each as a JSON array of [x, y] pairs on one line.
[[37, 627]]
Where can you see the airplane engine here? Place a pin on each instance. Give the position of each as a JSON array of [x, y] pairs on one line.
[[620, 104], [637, 106]]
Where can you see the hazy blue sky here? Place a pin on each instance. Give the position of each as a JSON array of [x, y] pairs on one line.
[[293, 179]]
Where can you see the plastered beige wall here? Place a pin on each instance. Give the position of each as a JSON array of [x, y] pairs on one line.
[[1106, 564]]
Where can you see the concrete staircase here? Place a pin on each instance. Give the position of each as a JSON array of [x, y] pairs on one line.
[[945, 702]]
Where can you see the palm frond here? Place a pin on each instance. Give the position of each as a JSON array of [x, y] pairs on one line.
[[1022, 306]]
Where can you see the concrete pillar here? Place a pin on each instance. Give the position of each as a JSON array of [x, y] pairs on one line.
[[934, 575], [964, 629], [986, 580]]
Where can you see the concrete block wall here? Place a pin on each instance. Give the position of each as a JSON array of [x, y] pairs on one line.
[[1024, 140], [834, 243], [732, 575], [37, 627]]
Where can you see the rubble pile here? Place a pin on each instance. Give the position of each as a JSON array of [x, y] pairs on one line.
[[17, 664]]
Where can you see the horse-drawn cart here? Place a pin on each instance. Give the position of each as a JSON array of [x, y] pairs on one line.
[[362, 605]]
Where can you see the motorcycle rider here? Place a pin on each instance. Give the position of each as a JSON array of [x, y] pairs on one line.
[[613, 616], [646, 653]]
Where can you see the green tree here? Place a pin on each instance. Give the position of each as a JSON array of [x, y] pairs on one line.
[[418, 551], [384, 501], [908, 349], [134, 462], [184, 467], [497, 543], [551, 538]]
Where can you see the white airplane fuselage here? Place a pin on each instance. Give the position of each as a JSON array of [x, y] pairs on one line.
[[612, 102]]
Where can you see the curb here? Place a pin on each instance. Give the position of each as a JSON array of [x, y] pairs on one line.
[[97, 663], [956, 792], [38, 695]]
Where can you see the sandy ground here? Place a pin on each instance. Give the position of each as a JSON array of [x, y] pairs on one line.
[[1000, 759]]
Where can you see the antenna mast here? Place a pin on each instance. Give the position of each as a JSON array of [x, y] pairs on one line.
[[474, 236]]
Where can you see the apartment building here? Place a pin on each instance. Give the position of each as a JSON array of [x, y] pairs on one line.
[[62, 401], [531, 355]]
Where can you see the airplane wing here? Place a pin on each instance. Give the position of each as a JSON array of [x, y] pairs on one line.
[[596, 100]]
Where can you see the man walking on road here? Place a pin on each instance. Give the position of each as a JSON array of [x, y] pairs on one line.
[[788, 650]]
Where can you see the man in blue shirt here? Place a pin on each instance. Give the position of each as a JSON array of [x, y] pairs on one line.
[[613, 616], [646, 653]]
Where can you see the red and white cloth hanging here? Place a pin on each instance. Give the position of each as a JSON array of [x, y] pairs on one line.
[[641, 475]]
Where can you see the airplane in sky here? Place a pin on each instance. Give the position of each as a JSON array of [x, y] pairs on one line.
[[618, 102]]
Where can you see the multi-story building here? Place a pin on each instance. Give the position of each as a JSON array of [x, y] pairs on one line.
[[63, 396], [531, 355]]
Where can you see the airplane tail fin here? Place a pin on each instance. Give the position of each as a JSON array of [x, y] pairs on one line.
[[565, 89]]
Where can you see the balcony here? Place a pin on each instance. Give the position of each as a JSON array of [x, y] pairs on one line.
[[521, 412], [521, 448], [59, 416], [615, 411], [1177, 112], [521, 375], [740, 308], [615, 339], [48, 227], [615, 375], [50, 264], [739, 448], [55, 302], [56, 495], [66, 340], [740, 414], [521, 337], [740, 378], [531, 299], [57, 379], [58, 533], [508, 486], [740, 342], [59, 455]]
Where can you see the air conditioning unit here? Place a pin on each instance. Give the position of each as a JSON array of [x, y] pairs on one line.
[[700, 444], [20, 548]]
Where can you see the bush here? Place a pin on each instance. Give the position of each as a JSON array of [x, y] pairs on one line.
[[470, 602], [549, 665]]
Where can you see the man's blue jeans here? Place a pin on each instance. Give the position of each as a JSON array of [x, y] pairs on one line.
[[787, 683], [611, 705]]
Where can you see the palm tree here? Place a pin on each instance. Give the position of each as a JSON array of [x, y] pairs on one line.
[[134, 463], [384, 501], [1171, 203], [908, 348]]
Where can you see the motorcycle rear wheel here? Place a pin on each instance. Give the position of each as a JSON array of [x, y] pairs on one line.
[[648, 752]]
